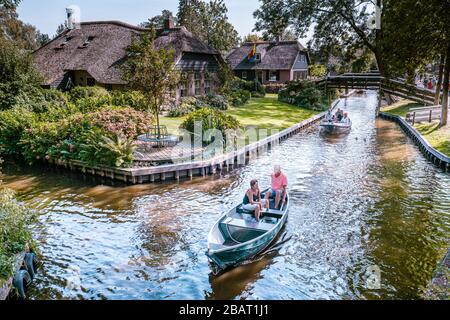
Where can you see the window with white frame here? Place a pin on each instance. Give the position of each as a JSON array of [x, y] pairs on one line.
[[198, 84], [273, 76], [184, 91], [207, 83], [244, 75]]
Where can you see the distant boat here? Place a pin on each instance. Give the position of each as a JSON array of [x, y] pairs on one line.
[[335, 127], [237, 236]]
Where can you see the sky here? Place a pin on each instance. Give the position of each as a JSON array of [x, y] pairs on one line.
[[46, 15]]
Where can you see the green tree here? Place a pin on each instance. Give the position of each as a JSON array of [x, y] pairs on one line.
[[338, 23], [157, 22], [317, 70], [252, 37], [208, 21], [219, 32], [61, 28], [9, 3], [20, 81], [151, 71], [272, 18], [24, 35], [190, 15]]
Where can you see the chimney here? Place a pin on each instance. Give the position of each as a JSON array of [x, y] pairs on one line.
[[73, 17], [169, 23]]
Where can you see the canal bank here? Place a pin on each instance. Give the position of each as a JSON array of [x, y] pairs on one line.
[[436, 157], [188, 170], [363, 200]]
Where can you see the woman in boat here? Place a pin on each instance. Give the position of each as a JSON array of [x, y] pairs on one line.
[[252, 200], [339, 115], [329, 116], [346, 119]]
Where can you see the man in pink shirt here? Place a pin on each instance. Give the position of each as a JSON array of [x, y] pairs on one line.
[[279, 185]]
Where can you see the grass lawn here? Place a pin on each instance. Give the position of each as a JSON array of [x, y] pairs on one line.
[[265, 113], [439, 138]]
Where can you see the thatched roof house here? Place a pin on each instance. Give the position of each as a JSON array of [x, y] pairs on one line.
[[275, 61], [93, 55]]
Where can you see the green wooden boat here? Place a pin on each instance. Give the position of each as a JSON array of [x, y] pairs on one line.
[[237, 237]]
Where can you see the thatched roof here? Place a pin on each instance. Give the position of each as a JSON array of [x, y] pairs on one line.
[[106, 50], [281, 55]]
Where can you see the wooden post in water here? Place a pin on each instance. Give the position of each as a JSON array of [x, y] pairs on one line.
[[380, 98]]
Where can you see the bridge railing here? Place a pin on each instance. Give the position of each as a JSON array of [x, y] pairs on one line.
[[375, 81]]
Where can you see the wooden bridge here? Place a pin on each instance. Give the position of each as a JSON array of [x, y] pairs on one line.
[[374, 81]]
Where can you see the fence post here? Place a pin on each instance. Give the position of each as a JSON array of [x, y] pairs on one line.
[[431, 111], [414, 118]]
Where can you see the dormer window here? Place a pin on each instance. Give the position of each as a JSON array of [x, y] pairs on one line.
[[63, 44], [87, 41], [258, 57]]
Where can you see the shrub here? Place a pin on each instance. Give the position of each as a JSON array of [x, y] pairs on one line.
[[19, 79], [210, 119], [100, 148], [43, 137], [186, 106], [88, 99], [274, 88], [15, 233], [317, 70], [215, 101], [240, 97], [132, 99], [252, 86], [13, 123], [124, 121], [303, 94]]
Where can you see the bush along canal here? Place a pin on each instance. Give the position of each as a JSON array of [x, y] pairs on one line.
[[363, 204], [18, 262]]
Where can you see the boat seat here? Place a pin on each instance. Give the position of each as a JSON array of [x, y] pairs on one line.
[[248, 224], [271, 213]]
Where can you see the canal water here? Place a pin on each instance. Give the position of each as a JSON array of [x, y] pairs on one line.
[[364, 202]]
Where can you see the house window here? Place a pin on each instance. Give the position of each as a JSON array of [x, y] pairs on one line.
[[273, 76], [300, 75], [258, 57], [183, 85], [207, 83], [244, 75], [198, 84]]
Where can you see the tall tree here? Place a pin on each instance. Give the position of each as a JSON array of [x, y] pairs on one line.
[[272, 18], [340, 23], [208, 21], [190, 15], [24, 35], [219, 32], [158, 21], [19, 80], [152, 71], [9, 3], [252, 37]]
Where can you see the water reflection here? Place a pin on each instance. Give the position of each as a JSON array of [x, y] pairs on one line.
[[358, 200]]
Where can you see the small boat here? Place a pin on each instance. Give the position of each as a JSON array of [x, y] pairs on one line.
[[335, 127], [237, 236]]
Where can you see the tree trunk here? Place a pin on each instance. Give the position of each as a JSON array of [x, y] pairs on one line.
[[444, 114], [439, 83]]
